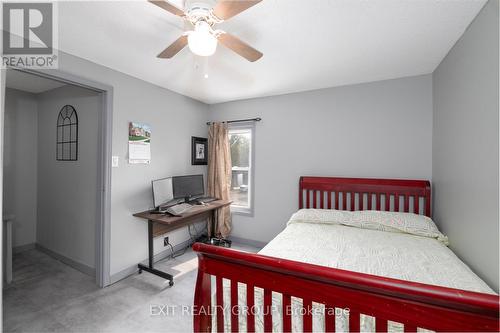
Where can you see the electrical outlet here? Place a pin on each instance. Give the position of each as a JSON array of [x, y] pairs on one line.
[[165, 241]]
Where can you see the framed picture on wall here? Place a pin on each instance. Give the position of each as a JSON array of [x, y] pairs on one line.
[[199, 151]]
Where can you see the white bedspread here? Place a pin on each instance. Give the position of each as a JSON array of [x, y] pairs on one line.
[[317, 238]]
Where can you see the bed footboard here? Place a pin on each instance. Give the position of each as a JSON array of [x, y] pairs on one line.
[[414, 305]]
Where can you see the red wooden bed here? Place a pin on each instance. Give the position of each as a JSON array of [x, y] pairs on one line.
[[413, 304]]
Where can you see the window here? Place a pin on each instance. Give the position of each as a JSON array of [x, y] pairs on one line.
[[67, 134], [241, 144]]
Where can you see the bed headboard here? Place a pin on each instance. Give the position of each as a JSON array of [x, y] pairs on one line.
[[366, 194]]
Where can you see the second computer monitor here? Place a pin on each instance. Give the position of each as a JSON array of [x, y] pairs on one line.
[[188, 186], [162, 191]]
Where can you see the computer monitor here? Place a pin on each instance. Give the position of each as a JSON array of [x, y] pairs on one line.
[[162, 191], [188, 186]]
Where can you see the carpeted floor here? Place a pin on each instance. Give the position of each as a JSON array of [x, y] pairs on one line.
[[49, 296]]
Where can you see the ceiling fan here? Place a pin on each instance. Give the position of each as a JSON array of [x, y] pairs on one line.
[[203, 39]]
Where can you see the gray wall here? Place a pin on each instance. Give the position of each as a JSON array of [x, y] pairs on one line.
[[67, 190], [465, 145], [380, 129], [174, 119], [20, 164]]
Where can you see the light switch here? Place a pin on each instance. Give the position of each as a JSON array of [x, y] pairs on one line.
[[114, 161]]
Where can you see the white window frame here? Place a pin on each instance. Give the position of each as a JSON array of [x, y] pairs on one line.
[[241, 210]]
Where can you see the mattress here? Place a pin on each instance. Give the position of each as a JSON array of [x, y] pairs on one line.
[[408, 252]]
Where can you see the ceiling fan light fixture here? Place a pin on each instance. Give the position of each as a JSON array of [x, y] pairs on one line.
[[204, 15], [201, 41]]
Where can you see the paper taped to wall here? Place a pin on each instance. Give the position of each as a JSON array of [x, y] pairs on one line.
[[139, 143]]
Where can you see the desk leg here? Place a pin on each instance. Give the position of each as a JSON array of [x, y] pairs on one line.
[[215, 215], [150, 244], [215, 221], [214, 218], [150, 267]]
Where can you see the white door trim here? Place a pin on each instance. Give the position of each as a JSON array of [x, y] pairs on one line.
[[103, 225]]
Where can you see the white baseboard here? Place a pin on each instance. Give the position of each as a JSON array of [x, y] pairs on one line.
[[157, 257], [251, 242], [22, 248], [167, 252], [68, 261]]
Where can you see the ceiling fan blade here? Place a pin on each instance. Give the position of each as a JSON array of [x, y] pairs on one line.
[[168, 7], [174, 48], [240, 47], [226, 9]]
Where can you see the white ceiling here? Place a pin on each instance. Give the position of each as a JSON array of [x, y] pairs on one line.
[[29, 82], [307, 44]]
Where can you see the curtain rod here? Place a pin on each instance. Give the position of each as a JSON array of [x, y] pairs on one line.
[[239, 120]]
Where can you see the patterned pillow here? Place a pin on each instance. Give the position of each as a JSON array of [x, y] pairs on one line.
[[408, 223]]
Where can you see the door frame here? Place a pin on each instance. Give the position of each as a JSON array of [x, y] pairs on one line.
[[103, 218], [2, 104]]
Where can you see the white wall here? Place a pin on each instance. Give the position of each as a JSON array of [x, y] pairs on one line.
[[20, 164], [174, 119], [466, 145], [67, 190], [381, 129]]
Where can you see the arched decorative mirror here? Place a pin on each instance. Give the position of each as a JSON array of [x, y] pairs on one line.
[[67, 134]]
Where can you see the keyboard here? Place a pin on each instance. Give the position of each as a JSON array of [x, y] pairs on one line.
[[179, 209]]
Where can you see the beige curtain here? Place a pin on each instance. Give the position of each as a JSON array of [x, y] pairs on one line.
[[219, 175]]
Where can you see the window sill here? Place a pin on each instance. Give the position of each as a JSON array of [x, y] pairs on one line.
[[241, 211]]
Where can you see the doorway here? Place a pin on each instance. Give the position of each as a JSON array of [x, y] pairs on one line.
[[57, 132]]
